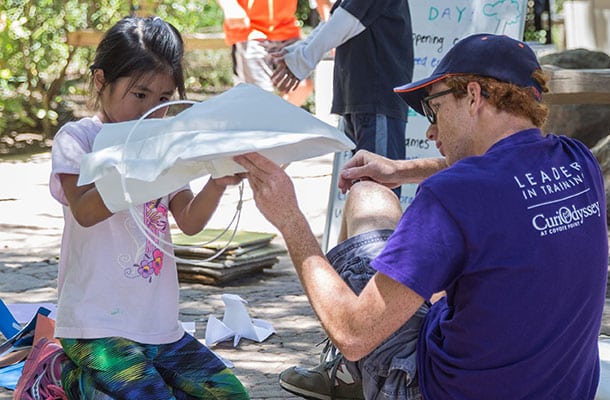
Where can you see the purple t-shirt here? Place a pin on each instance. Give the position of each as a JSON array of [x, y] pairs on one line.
[[518, 239]]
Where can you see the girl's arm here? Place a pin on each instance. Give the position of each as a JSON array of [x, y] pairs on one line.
[[192, 213], [85, 202]]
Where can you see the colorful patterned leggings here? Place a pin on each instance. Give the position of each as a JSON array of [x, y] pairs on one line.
[[124, 369]]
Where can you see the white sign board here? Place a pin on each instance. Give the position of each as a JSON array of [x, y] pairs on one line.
[[437, 25]]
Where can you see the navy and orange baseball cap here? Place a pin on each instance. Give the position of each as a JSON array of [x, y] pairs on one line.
[[485, 54]]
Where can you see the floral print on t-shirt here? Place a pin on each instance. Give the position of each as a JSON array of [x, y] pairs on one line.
[[147, 261], [155, 219]]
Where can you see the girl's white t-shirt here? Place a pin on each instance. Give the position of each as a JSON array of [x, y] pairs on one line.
[[112, 281]]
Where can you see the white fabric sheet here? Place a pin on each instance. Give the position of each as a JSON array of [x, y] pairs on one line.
[[161, 155]]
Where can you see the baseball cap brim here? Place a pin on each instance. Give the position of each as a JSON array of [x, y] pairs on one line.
[[414, 92]]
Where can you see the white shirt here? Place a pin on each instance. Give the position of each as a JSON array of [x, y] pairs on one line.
[[112, 280]]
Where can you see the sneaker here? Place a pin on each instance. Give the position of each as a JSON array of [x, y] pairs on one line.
[[41, 375], [330, 380]]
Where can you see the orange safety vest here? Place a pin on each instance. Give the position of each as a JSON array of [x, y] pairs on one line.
[[275, 19]]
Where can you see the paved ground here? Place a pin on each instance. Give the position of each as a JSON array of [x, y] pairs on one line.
[[30, 230]]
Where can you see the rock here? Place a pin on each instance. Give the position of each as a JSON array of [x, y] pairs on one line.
[[587, 122], [577, 59]]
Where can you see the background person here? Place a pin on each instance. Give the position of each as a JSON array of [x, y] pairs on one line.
[[368, 37]]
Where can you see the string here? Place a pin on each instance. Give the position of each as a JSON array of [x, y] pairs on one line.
[[148, 233]]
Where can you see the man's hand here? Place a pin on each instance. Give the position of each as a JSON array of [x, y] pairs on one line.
[[283, 79], [365, 165], [390, 173], [272, 188]]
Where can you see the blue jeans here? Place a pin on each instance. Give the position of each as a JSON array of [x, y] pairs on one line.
[[378, 134], [389, 371]]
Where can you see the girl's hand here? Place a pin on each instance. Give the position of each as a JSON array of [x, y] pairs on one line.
[[192, 213], [225, 181]]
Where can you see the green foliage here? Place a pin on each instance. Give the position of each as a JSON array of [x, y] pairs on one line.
[[304, 11], [192, 16], [35, 58], [39, 69]]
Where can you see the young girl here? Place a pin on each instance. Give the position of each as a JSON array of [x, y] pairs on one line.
[[117, 317]]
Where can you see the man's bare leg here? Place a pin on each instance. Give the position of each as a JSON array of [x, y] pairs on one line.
[[369, 206]]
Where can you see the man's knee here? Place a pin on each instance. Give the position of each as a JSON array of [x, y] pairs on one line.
[[370, 206]]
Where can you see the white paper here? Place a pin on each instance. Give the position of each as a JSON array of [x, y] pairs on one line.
[[189, 327], [153, 157], [236, 323], [23, 312]]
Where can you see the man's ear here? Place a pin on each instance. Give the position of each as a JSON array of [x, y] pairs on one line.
[[473, 93], [473, 90], [98, 79]]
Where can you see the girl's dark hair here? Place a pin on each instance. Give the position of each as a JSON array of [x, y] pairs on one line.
[[136, 46]]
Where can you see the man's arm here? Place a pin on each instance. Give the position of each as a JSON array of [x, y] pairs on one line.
[[391, 173], [302, 58], [355, 324]]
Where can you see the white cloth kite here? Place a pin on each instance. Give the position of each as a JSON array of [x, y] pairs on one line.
[[138, 161]]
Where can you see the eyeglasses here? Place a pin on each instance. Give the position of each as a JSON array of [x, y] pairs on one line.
[[429, 112]]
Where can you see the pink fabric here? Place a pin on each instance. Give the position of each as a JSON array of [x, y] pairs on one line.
[[41, 376]]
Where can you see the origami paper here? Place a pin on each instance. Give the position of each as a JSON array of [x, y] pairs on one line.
[[137, 161], [17, 343], [9, 325], [189, 327], [24, 312], [9, 376], [24, 337], [236, 323]]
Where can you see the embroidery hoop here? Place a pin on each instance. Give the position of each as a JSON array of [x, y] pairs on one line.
[[148, 233]]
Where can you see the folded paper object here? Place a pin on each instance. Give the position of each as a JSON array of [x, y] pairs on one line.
[[236, 323], [138, 161]]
